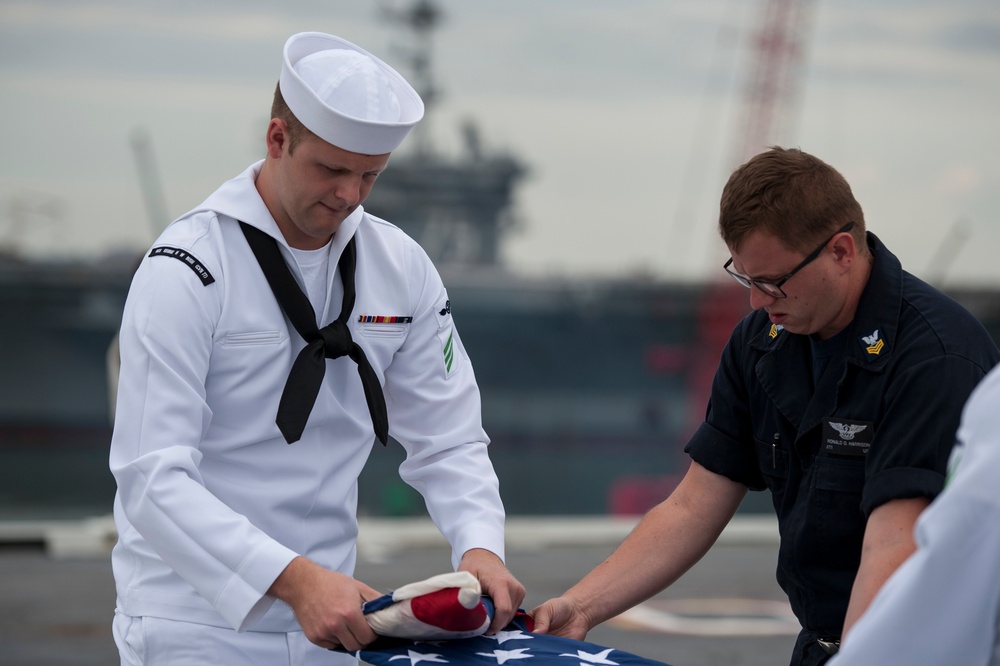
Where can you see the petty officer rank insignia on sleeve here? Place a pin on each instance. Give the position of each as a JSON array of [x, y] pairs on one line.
[[847, 438], [187, 258]]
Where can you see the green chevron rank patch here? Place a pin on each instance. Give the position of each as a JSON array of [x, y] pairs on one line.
[[451, 351]]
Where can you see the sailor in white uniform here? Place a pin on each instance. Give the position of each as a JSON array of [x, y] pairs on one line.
[[942, 606], [244, 416]]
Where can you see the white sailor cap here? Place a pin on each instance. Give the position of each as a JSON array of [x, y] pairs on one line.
[[345, 95]]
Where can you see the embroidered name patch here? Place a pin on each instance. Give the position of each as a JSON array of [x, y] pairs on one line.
[[384, 319], [189, 259], [846, 437]]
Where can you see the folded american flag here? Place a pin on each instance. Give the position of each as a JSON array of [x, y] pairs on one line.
[[446, 606], [442, 621]]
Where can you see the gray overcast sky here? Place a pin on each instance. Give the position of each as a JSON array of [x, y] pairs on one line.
[[625, 112]]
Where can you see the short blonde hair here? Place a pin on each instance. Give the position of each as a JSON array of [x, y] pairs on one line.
[[296, 130]]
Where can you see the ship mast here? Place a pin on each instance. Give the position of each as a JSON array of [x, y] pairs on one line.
[[420, 19], [457, 208]]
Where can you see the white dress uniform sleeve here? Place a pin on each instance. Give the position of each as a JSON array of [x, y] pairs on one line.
[[162, 415], [436, 414], [942, 606]]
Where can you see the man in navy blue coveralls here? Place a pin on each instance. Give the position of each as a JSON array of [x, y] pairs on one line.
[[841, 394]]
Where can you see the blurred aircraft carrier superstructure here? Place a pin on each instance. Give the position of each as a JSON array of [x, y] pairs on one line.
[[590, 386]]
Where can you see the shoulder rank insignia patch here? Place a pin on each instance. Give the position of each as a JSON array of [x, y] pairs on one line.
[[187, 258], [873, 343], [451, 351]]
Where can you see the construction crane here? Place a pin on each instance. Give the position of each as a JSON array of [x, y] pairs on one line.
[[769, 107], [773, 91]]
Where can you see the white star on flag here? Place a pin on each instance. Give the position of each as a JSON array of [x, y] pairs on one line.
[[506, 655], [502, 636], [416, 657], [599, 658]]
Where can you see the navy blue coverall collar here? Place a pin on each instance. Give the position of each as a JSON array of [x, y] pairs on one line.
[[870, 341]]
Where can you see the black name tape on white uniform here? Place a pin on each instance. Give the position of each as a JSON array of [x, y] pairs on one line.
[[189, 260], [846, 437]]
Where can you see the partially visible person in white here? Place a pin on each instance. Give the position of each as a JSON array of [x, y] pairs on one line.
[[942, 606]]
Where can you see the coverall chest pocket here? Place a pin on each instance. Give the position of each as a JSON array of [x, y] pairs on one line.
[[836, 490]]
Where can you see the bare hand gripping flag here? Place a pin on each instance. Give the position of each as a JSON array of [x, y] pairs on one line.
[[442, 620]]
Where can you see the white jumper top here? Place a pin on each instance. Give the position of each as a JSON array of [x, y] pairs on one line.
[[212, 504]]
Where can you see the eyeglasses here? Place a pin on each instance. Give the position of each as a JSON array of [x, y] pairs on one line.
[[773, 289]]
